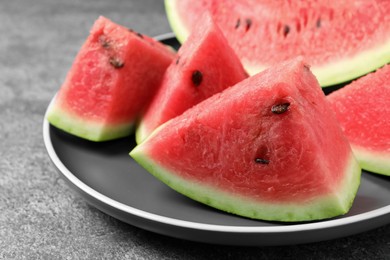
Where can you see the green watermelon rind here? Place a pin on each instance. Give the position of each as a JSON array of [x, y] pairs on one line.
[[322, 207], [178, 28], [376, 162], [84, 128], [141, 132], [331, 74], [347, 69], [354, 67]]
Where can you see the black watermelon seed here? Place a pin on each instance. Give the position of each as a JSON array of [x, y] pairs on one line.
[[197, 77], [318, 24], [280, 108], [104, 42], [116, 62], [248, 24], [237, 23], [286, 30], [261, 161], [177, 60], [140, 35]]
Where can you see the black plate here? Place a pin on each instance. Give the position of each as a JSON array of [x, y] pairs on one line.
[[109, 179]]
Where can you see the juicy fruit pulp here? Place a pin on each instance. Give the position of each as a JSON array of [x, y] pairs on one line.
[[363, 110], [205, 65], [266, 148], [341, 40], [112, 80]]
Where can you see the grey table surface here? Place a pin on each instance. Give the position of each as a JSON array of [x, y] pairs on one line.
[[40, 216]]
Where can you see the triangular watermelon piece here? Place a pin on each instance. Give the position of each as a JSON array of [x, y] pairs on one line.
[[112, 80], [267, 148], [206, 65], [363, 110]]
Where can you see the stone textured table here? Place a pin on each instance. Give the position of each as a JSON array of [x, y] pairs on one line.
[[40, 217]]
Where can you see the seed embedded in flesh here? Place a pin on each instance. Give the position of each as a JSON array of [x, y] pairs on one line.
[[197, 77], [248, 24], [140, 35], [104, 42], [280, 108], [318, 24], [237, 23], [116, 62], [136, 33], [261, 161], [286, 30]]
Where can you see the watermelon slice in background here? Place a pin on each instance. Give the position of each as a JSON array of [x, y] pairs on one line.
[[112, 80], [267, 148], [341, 40], [363, 110], [206, 65]]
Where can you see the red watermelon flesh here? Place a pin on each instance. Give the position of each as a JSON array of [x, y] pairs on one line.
[[267, 148], [113, 78], [340, 39], [363, 110], [206, 65]]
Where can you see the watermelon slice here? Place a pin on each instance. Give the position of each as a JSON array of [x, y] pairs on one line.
[[341, 40], [113, 78], [363, 110], [267, 148], [206, 64]]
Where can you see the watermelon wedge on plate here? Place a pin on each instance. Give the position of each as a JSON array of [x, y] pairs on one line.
[[267, 148], [112, 80], [363, 111], [341, 40], [206, 65]]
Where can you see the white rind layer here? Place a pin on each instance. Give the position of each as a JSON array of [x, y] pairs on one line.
[[86, 129], [377, 162]]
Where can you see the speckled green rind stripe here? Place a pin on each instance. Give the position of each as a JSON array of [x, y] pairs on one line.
[[327, 75], [321, 207], [92, 131], [372, 161]]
